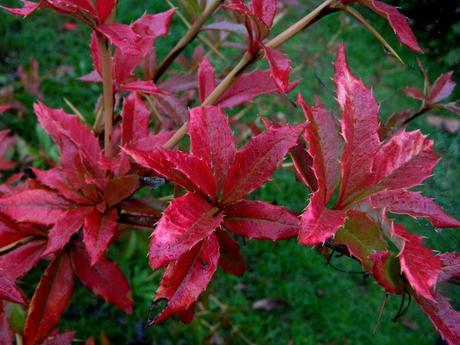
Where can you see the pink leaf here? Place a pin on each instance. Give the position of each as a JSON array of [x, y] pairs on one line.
[[27, 8], [418, 263], [211, 140], [99, 230], [325, 146], [187, 221], [103, 278], [256, 162], [414, 204], [444, 318], [415, 93], [442, 88], [206, 79], [450, 268], [280, 68], [260, 220], [319, 223], [6, 334], [405, 161], [359, 128], [5, 107], [185, 279]]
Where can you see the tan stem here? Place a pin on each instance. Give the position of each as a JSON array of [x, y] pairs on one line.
[[187, 38], [108, 94], [247, 60]]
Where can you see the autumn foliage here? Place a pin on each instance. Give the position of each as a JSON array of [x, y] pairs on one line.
[[358, 169]]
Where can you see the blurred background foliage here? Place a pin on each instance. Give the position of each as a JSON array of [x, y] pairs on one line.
[[289, 294]]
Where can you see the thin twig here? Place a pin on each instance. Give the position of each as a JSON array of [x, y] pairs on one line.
[[201, 37], [186, 39], [108, 94]]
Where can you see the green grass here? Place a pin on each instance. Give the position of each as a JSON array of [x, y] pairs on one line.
[[321, 305]]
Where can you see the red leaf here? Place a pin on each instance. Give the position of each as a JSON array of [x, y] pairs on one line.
[[387, 272], [154, 25], [442, 88], [99, 229], [405, 161], [359, 128], [63, 127], [325, 146], [260, 220], [104, 278], [280, 67], [362, 236], [8, 291], [187, 221], [444, 318], [265, 10], [58, 180], [256, 162], [247, 87], [60, 339], [135, 119], [397, 21], [49, 301], [27, 8], [230, 258], [206, 79], [418, 263], [16, 263], [414, 204], [9, 231], [64, 228], [36, 206], [319, 223], [142, 86], [415, 93], [120, 188], [303, 164], [123, 37], [184, 169], [172, 108], [185, 279], [211, 140], [105, 8]]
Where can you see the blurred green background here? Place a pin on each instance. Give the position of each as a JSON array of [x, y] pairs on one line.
[[301, 299]]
